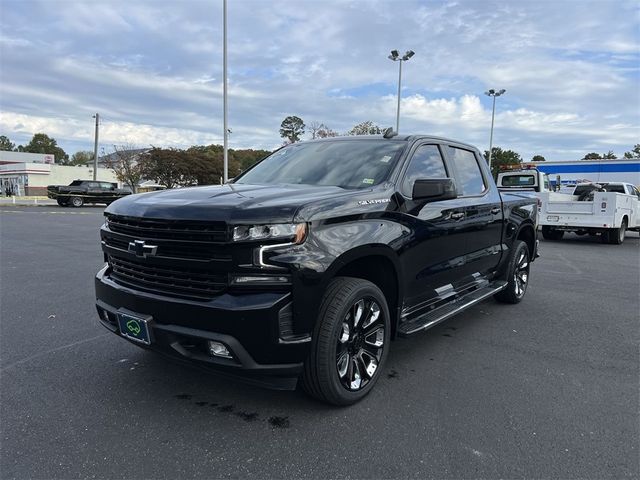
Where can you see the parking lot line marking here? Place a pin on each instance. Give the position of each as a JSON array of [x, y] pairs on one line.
[[53, 350], [46, 213]]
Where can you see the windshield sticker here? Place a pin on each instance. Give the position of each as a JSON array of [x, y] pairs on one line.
[[368, 181], [385, 159]]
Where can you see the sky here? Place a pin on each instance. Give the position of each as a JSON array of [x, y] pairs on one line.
[[153, 70]]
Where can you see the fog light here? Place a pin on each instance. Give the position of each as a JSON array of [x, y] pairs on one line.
[[218, 349], [105, 316], [260, 280]]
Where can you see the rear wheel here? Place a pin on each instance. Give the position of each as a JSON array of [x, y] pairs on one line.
[[517, 274], [549, 233], [616, 235], [77, 201], [350, 342]]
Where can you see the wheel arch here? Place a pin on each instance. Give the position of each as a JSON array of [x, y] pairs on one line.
[[527, 234], [378, 264]]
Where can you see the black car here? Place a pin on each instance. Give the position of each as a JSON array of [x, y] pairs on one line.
[[79, 192], [312, 261]]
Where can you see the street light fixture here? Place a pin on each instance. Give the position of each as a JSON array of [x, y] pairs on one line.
[[493, 93], [395, 56]]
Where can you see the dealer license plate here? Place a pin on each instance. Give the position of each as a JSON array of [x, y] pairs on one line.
[[134, 327]]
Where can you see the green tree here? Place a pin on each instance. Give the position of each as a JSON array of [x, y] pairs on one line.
[[635, 153], [83, 157], [42, 143], [164, 166], [6, 144], [292, 128], [501, 157], [365, 128], [609, 155], [538, 158], [592, 156]]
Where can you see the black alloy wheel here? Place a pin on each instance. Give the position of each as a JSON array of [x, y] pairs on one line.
[[360, 344], [350, 342], [517, 274]]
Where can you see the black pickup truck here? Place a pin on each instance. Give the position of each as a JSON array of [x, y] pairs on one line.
[[79, 192], [312, 261]]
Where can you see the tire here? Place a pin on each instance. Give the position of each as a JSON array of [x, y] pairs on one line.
[[62, 203], [76, 202], [549, 233], [616, 235], [346, 359], [517, 274]]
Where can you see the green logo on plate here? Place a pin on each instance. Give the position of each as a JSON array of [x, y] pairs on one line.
[[133, 327]]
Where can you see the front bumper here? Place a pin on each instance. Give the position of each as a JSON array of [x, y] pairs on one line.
[[249, 324]]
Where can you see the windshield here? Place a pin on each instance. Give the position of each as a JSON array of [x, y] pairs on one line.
[[346, 164]]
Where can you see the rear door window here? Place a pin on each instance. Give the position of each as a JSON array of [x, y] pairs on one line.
[[470, 180]]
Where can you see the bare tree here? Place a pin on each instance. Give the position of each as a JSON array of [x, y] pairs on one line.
[[325, 132], [124, 162], [314, 128]]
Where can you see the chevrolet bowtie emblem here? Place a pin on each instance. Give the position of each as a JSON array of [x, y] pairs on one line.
[[141, 250]]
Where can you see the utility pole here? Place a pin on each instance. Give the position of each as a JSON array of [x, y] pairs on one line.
[[398, 110], [224, 90], [95, 148]]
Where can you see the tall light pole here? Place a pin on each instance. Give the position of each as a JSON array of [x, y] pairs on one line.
[[494, 94], [95, 148], [395, 56], [224, 90]]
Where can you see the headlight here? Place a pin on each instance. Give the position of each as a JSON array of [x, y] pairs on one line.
[[295, 232]]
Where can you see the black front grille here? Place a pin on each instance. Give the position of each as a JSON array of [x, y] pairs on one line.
[[173, 249], [201, 231], [173, 280]]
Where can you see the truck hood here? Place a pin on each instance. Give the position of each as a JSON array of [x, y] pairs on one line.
[[229, 203]]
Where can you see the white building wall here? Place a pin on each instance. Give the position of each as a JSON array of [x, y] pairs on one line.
[[33, 178]]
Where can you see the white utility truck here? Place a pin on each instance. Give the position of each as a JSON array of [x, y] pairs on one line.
[[523, 177], [607, 209]]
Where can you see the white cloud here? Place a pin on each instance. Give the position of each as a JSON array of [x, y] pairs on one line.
[[157, 65]]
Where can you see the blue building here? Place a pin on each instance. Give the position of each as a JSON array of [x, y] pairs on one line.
[[592, 171]]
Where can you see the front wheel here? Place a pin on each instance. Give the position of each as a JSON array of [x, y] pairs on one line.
[[517, 274], [350, 342], [77, 202], [61, 202]]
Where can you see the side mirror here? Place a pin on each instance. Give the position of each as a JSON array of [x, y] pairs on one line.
[[435, 189]]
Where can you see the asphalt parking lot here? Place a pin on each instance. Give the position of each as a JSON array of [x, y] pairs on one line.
[[545, 389]]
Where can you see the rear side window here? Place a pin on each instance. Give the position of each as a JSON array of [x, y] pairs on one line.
[[425, 163], [518, 180], [470, 181]]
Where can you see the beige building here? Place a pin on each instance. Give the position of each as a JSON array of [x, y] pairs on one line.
[[30, 173]]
